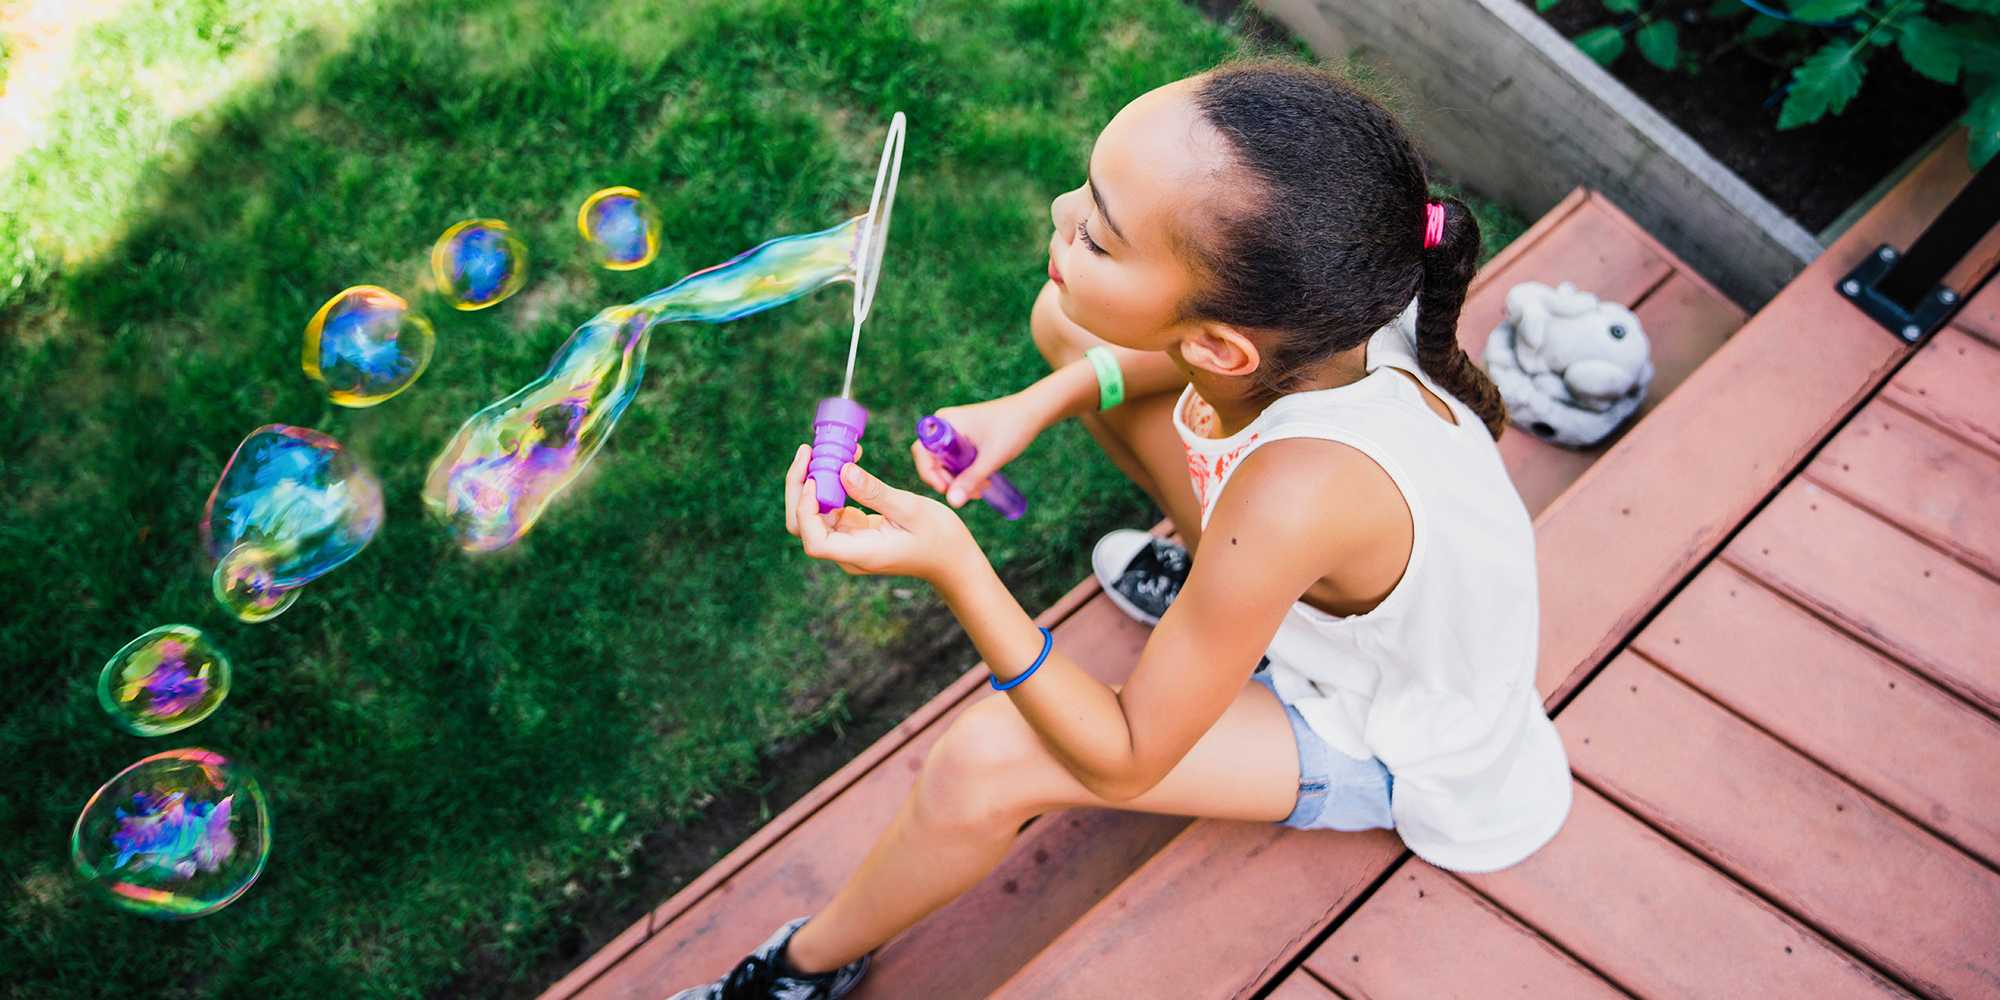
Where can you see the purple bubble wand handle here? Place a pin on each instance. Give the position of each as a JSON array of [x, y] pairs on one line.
[[837, 428], [957, 454]]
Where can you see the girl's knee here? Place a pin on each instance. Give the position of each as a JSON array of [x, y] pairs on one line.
[[980, 774]]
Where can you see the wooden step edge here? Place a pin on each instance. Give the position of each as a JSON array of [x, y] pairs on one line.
[[1530, 237]]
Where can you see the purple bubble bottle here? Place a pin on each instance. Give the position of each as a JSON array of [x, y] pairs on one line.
[[837, 428], [956, 454]]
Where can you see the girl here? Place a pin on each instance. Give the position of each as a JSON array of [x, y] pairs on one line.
[[1354, 643]]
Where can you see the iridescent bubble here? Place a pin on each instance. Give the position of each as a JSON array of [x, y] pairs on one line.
[[365, 345], [291, 505], [500, 471], [164, 681], [621, 228], [177, 835], [478, 263]]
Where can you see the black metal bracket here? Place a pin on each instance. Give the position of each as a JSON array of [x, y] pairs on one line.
[[1905, 291], [1863, 287]]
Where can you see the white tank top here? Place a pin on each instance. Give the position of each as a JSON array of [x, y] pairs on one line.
[[1438, 680]]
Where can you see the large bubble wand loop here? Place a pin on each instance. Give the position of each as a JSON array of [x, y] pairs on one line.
[[839, 421]]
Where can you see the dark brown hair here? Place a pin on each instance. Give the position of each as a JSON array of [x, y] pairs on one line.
[[1327, 245]]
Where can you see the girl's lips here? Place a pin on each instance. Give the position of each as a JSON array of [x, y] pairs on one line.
[[1055, 275]]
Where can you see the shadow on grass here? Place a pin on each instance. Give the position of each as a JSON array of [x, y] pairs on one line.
[[465, 756]]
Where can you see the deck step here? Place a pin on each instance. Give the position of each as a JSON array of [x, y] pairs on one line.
[[1908, 599], [1661, 923], [1848, 707], [1827, 852], [1424, 935]]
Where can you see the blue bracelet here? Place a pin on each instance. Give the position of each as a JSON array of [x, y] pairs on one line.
[[1048, 643]]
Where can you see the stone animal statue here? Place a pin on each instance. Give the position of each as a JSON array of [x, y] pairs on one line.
[[1571, 367]]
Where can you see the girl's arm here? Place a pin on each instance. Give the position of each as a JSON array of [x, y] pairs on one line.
[[1003, 427], [1273, 533], [1262, 549]]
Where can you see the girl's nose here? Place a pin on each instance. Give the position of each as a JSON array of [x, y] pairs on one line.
[[1062, 213]]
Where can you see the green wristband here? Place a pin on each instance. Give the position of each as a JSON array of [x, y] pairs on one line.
[[1110, 380]]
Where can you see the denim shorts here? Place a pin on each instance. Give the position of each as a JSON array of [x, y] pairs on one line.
[[1336, 792]]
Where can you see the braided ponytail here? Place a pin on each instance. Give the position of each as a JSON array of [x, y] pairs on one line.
[[1331, 246], [1448, 269]]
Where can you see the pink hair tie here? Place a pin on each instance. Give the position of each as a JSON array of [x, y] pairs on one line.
[[1433, 223]]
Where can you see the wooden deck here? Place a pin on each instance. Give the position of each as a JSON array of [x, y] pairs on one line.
[[1770, 623]]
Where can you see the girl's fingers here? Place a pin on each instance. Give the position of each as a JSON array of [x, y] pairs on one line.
[[794, 479], [928, 469], [805, 514]]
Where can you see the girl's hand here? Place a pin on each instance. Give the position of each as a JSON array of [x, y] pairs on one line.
[[1000, 428], [908, 536]]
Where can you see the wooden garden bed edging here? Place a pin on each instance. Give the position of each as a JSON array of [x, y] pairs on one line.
[[1512, 108]]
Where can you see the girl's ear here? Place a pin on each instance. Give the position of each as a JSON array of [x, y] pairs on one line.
[[1222, 349]]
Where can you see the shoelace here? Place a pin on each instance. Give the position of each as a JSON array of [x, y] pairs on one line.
[[752, 979]]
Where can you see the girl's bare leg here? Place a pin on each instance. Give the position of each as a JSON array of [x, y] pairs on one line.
[[989, 773], [1138, 434]]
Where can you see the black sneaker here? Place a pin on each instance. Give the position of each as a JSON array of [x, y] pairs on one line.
[[1141, 573], [758, 976]]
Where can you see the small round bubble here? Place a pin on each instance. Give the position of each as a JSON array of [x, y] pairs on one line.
[[366, 345], [246, 583], [479, 263], [177, 835], [621, 228], [164, 681]]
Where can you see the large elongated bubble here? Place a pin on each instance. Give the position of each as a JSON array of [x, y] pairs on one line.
[[177, 835], [291, 505], [497, 475], [164, 681]]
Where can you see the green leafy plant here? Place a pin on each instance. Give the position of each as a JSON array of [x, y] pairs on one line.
[[1828, 44]]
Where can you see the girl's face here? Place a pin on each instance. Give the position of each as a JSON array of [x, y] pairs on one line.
[[1113, 257]]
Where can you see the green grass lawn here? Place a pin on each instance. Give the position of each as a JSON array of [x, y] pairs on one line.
[[455, 749]]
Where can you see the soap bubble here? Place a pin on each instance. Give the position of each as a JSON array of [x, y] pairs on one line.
[[365, 345], [478, 263], [621, 227], [291, 505], [164, 681], [506, 463], [177, 835], [500, 471]]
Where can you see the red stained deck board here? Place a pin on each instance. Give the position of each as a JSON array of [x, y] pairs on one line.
[[1660, 922], [1932, 483], [1060, 867], [1300, 986], [1913, 601], [1836, 858], [1157, 935], [1853, 710], [1425, 936], [1954, 382]]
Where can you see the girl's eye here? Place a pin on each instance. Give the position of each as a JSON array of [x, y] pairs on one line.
[[1083, 233]]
